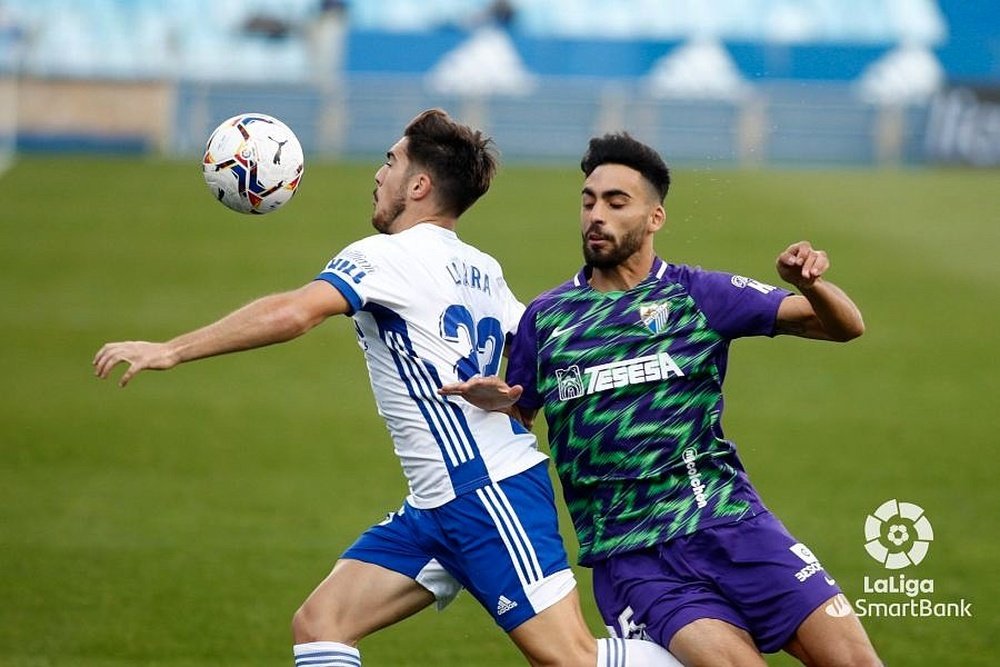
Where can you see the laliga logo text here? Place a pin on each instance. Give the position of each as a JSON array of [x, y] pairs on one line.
[[898, 535]]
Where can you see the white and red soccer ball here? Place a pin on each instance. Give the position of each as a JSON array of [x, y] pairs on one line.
[[253, 163]]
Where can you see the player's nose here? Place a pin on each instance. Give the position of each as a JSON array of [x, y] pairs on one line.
[[594, 215]]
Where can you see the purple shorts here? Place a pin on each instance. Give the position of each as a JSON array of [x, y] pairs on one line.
[[752, 574]]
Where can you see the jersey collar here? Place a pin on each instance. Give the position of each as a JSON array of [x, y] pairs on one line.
[[431, 228], [582, 278]]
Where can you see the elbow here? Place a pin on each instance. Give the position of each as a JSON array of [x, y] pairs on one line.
[[299, 323], [292, 322], [851, 331], [859, 329]]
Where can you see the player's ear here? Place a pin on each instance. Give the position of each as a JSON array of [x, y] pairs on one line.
[[421, 185], [657, 218]]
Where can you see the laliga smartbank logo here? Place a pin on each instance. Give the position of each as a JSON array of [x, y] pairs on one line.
[[898, 535]]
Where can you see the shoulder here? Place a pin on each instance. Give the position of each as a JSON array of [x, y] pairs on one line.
[[687, 275], [403, 249], [552, 298], [699, 282], [370, 259], [698, 279], [373, 244], [482, 259]]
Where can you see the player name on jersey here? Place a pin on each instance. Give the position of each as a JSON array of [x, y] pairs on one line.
[[468, 275]]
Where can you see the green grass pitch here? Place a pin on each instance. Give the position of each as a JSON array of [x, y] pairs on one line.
[[179, 522]]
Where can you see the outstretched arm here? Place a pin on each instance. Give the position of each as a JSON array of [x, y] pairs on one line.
[[823, 311], [272, 319], [493, 395]]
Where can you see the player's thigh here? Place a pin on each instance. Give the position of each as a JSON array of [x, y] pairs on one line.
[[653, 593], [355, 600], [502, 542], [558, 635], [831, 636], [773, 580], [710, 642]]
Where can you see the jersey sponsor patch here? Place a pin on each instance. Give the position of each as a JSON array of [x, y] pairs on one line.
[[574, 383], [743, 281], [351, 264]]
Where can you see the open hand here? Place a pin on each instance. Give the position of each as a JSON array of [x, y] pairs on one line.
[[139, 355], [487, 393]]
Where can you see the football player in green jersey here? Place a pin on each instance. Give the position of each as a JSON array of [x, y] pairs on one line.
[[627, 359]]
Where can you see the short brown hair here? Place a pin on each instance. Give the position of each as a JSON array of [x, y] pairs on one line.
[[461, 161]]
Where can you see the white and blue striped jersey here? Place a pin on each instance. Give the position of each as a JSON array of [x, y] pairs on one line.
[[430, 309]]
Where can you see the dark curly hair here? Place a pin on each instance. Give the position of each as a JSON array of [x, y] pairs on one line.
[[620, 148]]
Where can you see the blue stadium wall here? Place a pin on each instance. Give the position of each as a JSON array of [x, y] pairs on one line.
[[970, 53], [811, 112]]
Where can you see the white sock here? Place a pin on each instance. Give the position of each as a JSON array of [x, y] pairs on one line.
[[326, 654], [633, 653]]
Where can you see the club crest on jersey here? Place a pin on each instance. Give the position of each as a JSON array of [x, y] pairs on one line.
[[654, 315], [570, 383]]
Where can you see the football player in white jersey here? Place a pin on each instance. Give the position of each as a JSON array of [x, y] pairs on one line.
[[480, 514]]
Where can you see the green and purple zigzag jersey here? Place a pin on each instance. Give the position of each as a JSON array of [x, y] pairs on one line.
[[631, 384]]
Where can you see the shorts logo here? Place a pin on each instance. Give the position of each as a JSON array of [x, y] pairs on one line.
[[806, 556], [898, 534], [505, 604], [654, 315], [628, 628], [803, 552], [392, 515]]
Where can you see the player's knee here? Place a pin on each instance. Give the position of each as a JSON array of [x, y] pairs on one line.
[[312, 624], [858, 656], [866, 658], [571, 653], [564, 650], [582, 652], [304, 625]]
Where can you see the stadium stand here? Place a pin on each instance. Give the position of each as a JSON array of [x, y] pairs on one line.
[[843, 81]]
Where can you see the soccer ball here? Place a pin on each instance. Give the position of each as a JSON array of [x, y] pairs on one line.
[[253, 163]]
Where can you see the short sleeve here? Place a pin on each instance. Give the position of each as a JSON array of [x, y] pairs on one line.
[[512, 309], [735, 306], [522, 363], [360, 272]]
